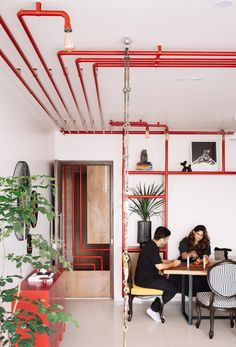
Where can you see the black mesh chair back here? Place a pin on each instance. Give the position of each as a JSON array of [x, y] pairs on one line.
[[222, 278], [222, 282]]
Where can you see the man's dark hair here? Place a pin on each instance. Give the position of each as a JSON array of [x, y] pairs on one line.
[[161, 233]]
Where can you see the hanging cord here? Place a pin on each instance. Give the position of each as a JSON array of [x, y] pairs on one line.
[[126, 91]]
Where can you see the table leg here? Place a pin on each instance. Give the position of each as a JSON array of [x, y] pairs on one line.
[[190, 300], [183, 294]]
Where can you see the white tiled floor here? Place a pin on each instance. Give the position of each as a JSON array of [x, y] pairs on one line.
[[101, 326]]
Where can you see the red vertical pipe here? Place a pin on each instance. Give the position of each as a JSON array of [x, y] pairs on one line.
[[80, 208], [73, 210], [166, 185], [123, 215], [65, 208], [223, 151]]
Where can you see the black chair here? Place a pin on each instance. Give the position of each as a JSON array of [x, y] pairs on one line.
[[221, 278], [140, 292]]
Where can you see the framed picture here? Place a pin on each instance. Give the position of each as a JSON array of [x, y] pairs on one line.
[[204, 156]]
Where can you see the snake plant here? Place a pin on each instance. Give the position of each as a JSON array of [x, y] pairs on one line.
[[147, 207]]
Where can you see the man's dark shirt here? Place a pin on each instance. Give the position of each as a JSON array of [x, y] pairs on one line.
[[146, 270]]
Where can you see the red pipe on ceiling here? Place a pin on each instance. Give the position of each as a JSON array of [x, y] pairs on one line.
[[72, 91], [47, 13], [156, 53], [216, 63], [23, 56], [141, 62], [86, 98], [16, 72], [67, 26], [141, 124], [146, 63]]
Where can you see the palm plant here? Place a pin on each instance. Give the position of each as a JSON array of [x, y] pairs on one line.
[[147, 207]]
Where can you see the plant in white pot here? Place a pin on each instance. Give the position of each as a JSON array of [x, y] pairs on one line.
[[148, 205]]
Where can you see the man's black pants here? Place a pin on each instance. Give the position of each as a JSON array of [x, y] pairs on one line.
[[168, 288]]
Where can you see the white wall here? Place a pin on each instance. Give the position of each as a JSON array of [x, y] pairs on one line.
[[25, 134], [195, 199]]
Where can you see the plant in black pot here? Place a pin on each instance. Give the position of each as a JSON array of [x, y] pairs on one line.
[[146, 206]]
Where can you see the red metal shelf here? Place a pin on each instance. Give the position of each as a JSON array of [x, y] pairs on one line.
[[147, 196], [146, 172], [134, 249], [182, 173]]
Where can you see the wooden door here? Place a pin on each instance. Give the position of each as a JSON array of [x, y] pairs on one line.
[[87, 224]]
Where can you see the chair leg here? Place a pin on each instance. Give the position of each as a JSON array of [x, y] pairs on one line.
[[161, 311], [199, 317], [130, 312], [211, 332], [232, 319]]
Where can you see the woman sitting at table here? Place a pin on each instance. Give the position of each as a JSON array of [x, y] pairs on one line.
[[195, 245]]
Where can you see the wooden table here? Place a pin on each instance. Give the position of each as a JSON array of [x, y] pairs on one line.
[[193, 270]]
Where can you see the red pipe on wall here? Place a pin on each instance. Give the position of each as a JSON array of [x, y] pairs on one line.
[[11, 66], [39, 12]]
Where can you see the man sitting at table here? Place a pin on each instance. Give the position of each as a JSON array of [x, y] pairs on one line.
[[147, 271]]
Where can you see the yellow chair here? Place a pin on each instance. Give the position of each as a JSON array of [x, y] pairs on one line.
[[135, 291]]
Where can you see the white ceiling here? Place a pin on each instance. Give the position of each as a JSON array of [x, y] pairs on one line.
[[182, 98]]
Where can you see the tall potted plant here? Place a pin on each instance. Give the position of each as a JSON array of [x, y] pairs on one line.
[[18, 210], [148, 205]]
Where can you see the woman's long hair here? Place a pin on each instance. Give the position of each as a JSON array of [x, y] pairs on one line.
[[203, 244]]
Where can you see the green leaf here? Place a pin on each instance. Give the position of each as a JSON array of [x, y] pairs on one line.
[[147, 207], [15, 338], [52, 317], [41, 308], [27, 342]]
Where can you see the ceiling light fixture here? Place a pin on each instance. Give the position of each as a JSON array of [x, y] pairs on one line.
[[68, 41]]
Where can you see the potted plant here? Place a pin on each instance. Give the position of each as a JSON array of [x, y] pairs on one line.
[[146, 207], [18, 210]]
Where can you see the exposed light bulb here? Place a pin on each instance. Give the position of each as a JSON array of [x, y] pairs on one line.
[[68, 41], [147, 133]]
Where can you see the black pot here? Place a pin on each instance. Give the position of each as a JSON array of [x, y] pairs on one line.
[[144, 232]]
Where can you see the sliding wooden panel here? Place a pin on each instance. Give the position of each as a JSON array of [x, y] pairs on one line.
[[87, 284], [98, 204]]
